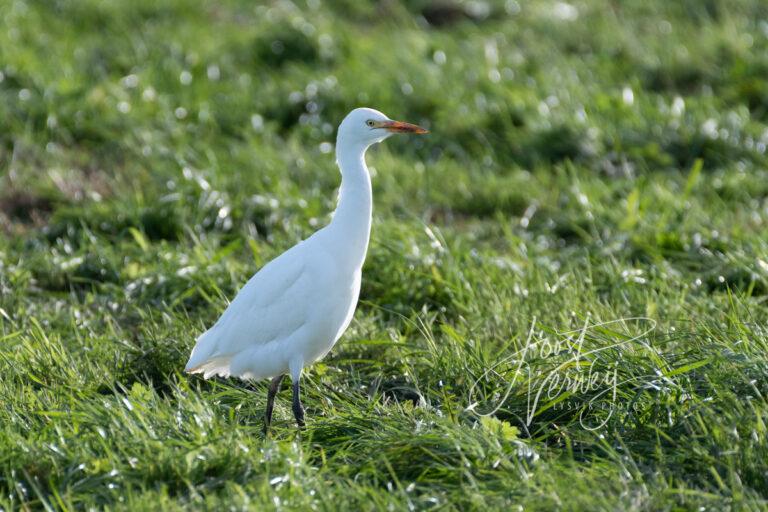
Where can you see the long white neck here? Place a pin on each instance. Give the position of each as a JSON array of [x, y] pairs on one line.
[[351, 224]]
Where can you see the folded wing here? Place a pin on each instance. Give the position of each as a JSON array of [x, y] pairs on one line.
[[269, 308]]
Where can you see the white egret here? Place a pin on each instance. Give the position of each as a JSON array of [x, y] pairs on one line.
[[298, 305]]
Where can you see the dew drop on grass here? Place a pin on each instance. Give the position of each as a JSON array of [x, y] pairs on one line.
[[628, 96], [678, 106], [709, 128], [564, 11], [130, 81], [257, 122], [127, 404], [512, 7], [491, 50]]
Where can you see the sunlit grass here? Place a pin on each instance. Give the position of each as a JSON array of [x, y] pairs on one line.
[[594, 183]]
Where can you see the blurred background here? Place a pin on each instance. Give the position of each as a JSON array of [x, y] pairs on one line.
[[108, 101], [187, 119], [160, 150]]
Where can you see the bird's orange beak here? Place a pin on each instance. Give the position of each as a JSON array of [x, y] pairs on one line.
[[401, 127]]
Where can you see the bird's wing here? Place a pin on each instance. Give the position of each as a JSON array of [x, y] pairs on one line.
[[272, 305]]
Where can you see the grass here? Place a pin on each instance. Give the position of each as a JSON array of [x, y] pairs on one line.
[[594, 188]]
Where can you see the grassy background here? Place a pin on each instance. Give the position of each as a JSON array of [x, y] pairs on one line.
[[589, 162]]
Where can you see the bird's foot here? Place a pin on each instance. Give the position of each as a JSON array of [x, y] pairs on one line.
[[298, 412]]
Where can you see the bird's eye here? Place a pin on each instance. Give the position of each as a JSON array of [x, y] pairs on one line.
[[370, 123]]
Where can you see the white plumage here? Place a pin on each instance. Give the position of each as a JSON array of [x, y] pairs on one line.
[[296, 307]]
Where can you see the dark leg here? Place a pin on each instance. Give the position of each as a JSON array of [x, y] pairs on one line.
[[298, 409], [274, 387]]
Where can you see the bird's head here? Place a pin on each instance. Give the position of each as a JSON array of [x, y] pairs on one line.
[[366, 126]]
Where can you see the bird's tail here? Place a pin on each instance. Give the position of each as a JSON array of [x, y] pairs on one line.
[[202, 351]]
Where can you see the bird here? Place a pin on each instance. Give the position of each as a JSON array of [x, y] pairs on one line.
[[296, 307]]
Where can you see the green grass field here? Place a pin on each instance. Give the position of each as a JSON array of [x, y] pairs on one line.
[[592, 202]]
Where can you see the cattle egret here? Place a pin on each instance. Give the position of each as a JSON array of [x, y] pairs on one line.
[[296, 307]]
